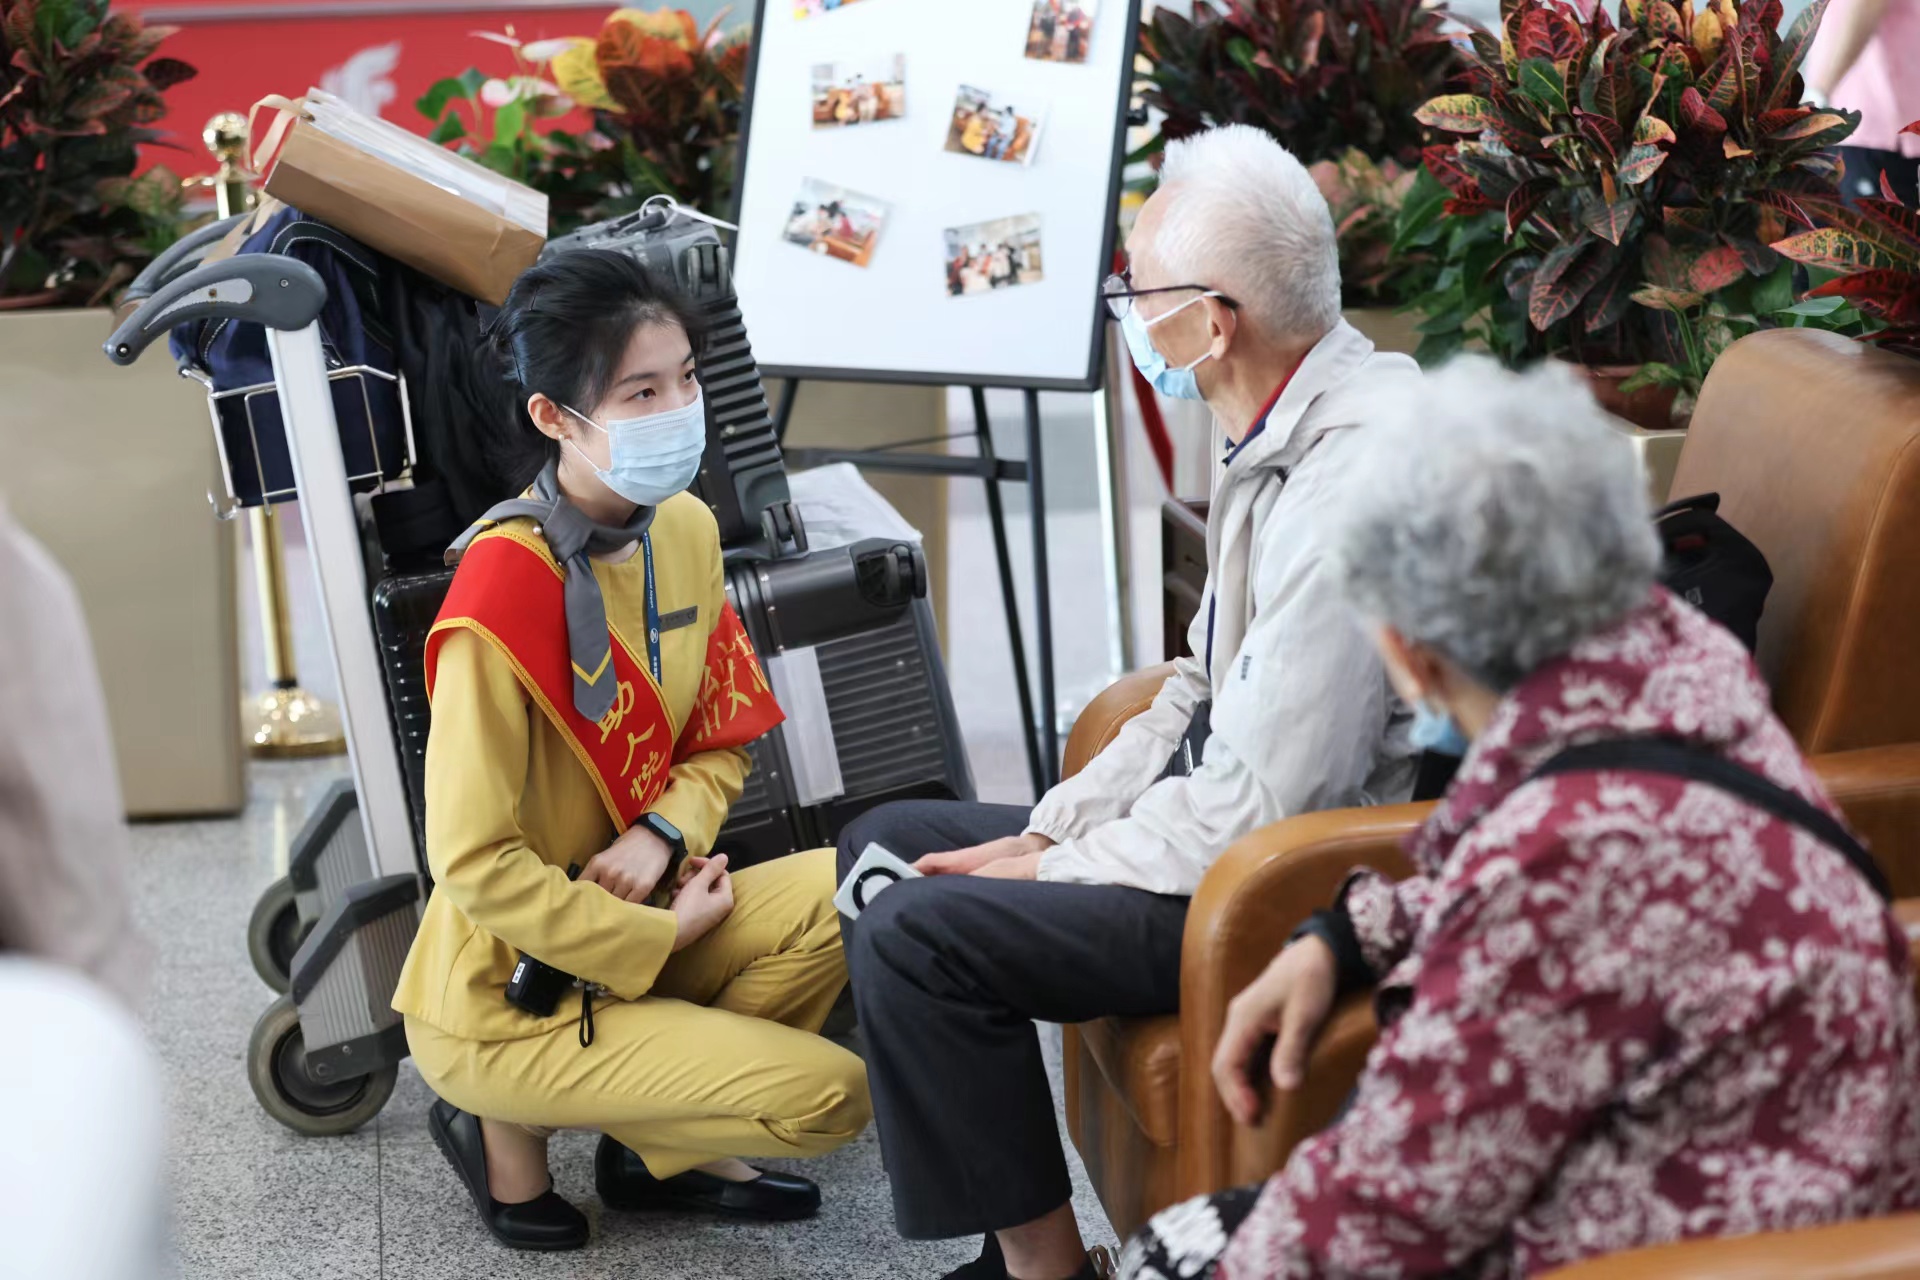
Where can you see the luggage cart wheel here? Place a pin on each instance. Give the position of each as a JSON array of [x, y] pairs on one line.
[[291, 1093], [275, 932]]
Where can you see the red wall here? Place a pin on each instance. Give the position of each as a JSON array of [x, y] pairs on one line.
[[246, 49]]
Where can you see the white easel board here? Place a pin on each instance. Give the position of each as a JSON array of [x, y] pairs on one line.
[[1016, 313]]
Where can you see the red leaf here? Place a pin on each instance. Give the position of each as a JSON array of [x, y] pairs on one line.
[[1715, 269], [1882, 293], [1886, 187], [1791, 53], [1525, 199], [1444, 164], [1911, 128], [168, 72], [1610, 221], [1769, 121], [1698, 116], [1547, 33], [1550, 302]]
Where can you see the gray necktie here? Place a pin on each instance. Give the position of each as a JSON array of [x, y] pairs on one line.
[[572, 537]]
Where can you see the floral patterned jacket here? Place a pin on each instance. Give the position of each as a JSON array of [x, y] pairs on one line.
[[1619, 1009]]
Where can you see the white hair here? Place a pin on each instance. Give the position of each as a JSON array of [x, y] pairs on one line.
[[1501, 518], [1249, 221]]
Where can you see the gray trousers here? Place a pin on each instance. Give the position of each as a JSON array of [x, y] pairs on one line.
[[949, 974]]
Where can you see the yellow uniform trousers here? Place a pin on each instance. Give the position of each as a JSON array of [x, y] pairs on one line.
[[719, 1060]]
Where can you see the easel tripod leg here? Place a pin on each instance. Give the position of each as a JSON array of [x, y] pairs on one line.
[[1042, 591], [997, 517]]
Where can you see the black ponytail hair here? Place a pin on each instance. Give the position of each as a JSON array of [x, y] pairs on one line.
[[562, 331]]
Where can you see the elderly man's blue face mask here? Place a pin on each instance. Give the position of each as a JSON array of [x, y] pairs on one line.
[[1178, 383]]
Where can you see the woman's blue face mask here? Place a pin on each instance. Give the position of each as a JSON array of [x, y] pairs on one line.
[[653, 457]]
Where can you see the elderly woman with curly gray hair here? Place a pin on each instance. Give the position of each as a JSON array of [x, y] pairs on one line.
[[1644, 987]]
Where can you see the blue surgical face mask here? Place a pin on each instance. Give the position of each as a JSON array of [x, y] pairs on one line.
[[654, 457], [1436, 731], [1178, 383]]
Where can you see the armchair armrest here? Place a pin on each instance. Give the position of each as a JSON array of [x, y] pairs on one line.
[[1108, 713], [1873, 1249], [1258, 893], [1878, 788]]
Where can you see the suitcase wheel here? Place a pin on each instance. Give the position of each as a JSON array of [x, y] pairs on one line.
[[290, 1093], [275, 933]]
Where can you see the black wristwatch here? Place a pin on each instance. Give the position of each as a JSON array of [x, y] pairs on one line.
[[676, 843]]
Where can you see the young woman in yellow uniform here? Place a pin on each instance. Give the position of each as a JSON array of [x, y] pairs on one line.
[[582, 963]]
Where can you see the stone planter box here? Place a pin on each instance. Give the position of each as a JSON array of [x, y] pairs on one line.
[[109, 468]]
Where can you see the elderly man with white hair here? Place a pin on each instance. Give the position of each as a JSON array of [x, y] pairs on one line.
[[1075, 909], [1646, 987]]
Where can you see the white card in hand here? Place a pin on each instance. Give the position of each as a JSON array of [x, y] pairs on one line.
[[876, 870]]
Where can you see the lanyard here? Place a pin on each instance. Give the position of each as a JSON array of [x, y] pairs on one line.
[[653, 609]]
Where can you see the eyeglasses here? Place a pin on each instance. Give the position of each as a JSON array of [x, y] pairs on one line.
[[1119, 293]]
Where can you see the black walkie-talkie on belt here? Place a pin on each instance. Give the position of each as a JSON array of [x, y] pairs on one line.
[[537, 986]]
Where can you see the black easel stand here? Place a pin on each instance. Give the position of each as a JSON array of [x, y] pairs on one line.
[[1041, 733]]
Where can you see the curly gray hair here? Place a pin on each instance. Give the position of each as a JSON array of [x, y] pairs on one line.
[[1502, 519]]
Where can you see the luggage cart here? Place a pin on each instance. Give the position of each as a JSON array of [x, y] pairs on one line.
[[324, 1056]]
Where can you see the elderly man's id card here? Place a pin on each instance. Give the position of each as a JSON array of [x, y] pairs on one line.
[[876, 870]]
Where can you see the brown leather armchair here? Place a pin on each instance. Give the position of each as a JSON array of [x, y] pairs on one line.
[[1813, 443]]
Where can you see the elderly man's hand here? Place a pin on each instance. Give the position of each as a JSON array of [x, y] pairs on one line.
[[1289, 1001], [962, 862]]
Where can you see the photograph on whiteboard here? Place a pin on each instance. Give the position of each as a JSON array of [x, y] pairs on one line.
[[808, 8], [1061, 30], [989, 256], [987, 127], [835, 222], [848, 93]]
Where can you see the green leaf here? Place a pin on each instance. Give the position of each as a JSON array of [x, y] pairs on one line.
[[1242, 51], [470, 82], [1815, 307], [1773, 292], [1457, 113], [1542, 85], [433, 103], [448, 130], [510, 123]]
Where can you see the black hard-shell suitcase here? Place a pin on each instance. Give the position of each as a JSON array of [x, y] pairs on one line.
[[863, 609], [403, 612]]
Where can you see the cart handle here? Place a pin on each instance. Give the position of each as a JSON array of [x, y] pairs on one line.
[[194, 245], [252, 288]]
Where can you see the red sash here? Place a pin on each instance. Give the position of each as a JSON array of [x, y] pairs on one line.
[[509, 592]]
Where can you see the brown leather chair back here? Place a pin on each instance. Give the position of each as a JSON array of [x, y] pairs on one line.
[[1813, 443]]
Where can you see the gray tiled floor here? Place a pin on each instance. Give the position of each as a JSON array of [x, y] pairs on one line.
[[254, 1200]]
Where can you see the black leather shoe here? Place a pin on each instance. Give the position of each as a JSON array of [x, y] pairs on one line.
[[548, 1224], [990, 1265], [624, 1183]]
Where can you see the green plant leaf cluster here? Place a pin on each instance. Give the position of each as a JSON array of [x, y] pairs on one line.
[[1322, 76], [1870, 253], [80, 92], [1640, 168]]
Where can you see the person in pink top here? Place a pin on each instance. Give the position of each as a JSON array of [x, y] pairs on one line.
[[1867, 59]]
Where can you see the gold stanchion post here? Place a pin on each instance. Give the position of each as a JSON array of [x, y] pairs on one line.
[[286, 721]]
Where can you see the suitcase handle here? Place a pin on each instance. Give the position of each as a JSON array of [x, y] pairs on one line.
[[253, 288]]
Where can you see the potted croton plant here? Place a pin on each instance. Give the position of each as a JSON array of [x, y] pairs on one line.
[[1639, 170], [1336, 81], [80, 89], [1873, 249]]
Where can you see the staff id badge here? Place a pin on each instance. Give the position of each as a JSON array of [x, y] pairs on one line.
[[876, 870]]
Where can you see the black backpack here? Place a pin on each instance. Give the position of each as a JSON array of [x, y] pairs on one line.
[[1708, 563], [1712, 566]]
